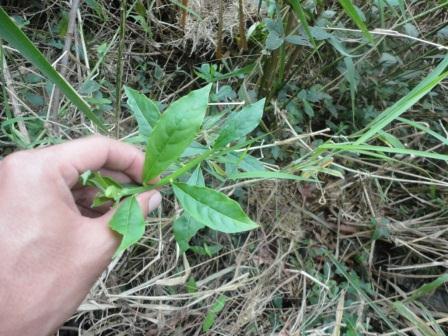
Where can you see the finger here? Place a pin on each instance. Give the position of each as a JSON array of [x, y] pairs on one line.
[[148, 201], [117, 176], [102, 239], [89, 212], [84, 196], [95, 153], [84, 199]]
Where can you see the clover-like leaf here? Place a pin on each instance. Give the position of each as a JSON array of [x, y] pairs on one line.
[[213, 209], [129, 222], [175, 131]]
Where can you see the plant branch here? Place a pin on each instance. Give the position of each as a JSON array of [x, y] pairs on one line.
[[170, 178], [14, 102]]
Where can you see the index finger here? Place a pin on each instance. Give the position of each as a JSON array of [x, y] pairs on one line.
[[97, 152]]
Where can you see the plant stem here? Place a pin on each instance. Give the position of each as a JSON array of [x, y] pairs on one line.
[[220, 28], [119, 78], [64, 61], [170, 178], [13, 98], [183, 18], [242, 26]]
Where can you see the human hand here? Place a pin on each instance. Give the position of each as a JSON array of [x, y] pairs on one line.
[[53, 247]]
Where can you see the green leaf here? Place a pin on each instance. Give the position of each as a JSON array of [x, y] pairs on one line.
[[184, 228], [411, 30], [197, 178], [144, 110], [390, 140], [96, 179], [352, 11], [416, 321], [298, 40], [213, 312], [191, 285], [381, 229], [243, 161], [320, 33], [109, 188], [12, 34], [308, 108], [241, 123], [207, 250], [213, 209], [129, 222], [298, 10], [194, 149], [273, 41], [339, 46], [175, 131], [428, 288]]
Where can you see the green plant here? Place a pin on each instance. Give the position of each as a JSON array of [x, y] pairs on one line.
[[12, 34], [212, 314], [169, 136]]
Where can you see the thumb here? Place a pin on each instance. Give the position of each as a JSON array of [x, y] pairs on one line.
[[148, 201], [104, 240]]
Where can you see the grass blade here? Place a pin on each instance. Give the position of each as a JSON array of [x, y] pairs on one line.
[[351, 11], [268, 175], [12, 34], [384, 149], [428, 288], [425, 129], [405, 103]]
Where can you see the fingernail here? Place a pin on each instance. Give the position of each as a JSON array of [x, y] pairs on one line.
[[154, 201]]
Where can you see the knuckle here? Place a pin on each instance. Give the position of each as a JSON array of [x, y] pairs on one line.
[[100, 138]]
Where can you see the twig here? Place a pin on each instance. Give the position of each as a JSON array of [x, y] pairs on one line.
[[14, 102], [119, 78], [183, 18], [285, 142], [64, 60], [242, 26], [220, 28], [394, 33], [83, 41]]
